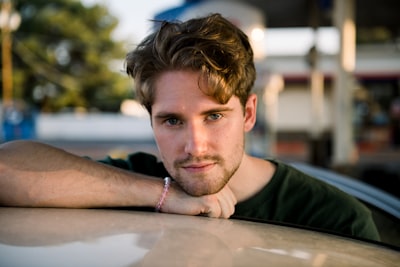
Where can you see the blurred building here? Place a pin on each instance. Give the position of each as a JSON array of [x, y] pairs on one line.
[[375, 87], [290, 116]]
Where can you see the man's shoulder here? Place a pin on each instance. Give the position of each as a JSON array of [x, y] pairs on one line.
[[302, 187], [287, 176], [293, 196], [291, 178], [140, 162]]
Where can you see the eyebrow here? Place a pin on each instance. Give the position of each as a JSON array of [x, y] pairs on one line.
[[217, 110], [164, 115]]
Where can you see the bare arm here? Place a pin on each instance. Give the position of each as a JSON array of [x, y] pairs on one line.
[[37, 175]]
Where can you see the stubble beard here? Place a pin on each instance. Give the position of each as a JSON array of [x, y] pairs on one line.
[[201, 184]]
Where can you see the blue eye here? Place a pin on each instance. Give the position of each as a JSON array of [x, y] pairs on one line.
[[215, 116], [172, 121]]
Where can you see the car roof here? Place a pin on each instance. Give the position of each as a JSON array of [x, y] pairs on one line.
[[109, 237]]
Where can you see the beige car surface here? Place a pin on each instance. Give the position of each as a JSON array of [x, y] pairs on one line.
[[106, 237]]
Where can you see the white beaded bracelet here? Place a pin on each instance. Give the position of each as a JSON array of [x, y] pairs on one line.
[[167, 182]]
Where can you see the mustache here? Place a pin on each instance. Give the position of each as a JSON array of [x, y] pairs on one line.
[[191, 159]]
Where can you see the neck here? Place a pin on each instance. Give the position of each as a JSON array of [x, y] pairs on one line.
[[252, 175]]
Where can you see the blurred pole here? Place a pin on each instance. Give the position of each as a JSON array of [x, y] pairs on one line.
[[317, 102], [270, 105], [318, 150], [343, 139], [6, 54], [9, 22]]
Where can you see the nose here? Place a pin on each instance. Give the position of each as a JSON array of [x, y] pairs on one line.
[[196, 139]]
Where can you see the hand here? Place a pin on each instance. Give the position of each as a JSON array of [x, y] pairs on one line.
[[218, 205]]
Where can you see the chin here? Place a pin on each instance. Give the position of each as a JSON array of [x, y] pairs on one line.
[[200, 191]]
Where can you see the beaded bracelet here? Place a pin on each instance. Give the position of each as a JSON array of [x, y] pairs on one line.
[[167, 182]]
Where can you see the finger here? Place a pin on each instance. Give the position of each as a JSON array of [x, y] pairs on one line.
[[212, 206], [229, 202], [215, 211], [224, 203]]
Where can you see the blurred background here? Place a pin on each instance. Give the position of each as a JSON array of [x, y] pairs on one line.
[[328, 78]]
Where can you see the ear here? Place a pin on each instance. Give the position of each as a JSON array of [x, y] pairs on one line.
[[250, 111]]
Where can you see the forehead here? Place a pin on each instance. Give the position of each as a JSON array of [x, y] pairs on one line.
[[169, 81], [180, 85], [182, 89]]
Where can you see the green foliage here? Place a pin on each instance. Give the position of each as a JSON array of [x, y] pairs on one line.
[[62, 53]]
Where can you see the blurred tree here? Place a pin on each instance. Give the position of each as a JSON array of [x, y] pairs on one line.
[[63, 53]]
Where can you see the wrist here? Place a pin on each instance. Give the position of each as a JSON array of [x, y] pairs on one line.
[[167, 183]]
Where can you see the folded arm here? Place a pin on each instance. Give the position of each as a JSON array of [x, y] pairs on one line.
[[33, 174]]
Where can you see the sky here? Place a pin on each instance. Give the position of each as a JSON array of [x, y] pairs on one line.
[[134, 25], [134, 15]]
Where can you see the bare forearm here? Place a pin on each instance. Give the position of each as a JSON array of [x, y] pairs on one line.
[[37, 175]]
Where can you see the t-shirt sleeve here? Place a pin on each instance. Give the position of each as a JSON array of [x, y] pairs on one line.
[[294, 197], [325, 206], [138, 162]]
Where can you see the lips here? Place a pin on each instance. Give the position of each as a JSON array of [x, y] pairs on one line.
[[198, 167]]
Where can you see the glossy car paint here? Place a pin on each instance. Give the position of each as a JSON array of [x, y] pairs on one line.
[[96, 237]]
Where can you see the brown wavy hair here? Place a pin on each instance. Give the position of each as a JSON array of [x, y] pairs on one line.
[[211, 45]]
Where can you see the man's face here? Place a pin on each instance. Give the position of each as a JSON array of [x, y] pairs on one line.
[[201, 142]]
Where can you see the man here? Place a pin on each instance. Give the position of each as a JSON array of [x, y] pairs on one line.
[[195, 80]]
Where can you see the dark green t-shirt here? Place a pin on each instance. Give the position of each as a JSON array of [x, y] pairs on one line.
[[291, 197]]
